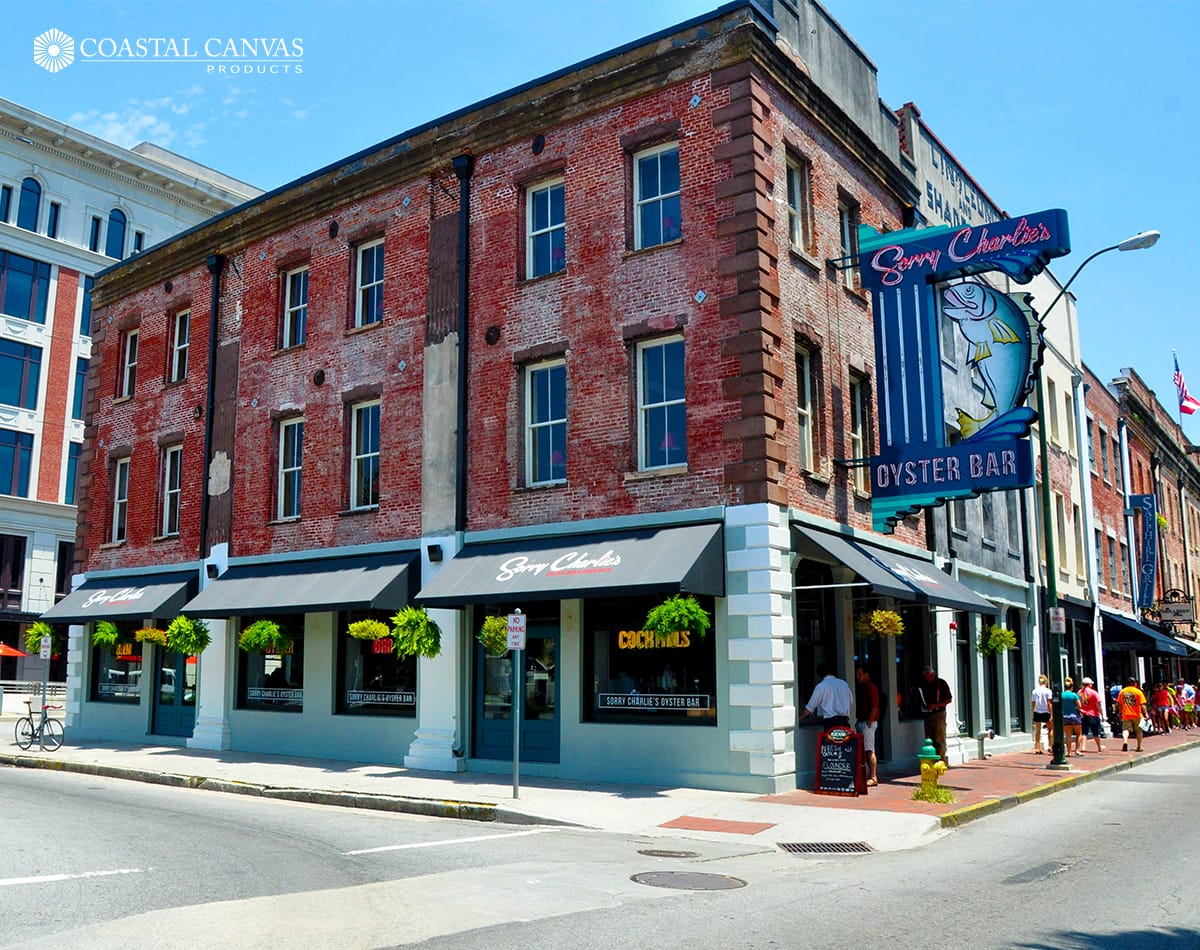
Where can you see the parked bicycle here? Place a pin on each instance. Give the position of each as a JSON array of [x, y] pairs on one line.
[[48, 731]]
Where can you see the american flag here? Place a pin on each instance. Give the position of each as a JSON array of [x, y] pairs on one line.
[[1187, 402]]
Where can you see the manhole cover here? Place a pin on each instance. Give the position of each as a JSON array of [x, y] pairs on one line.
[[826, 847], [670, 854], [688, 881]]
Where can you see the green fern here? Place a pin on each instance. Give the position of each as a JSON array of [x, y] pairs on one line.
[[415, 634], [185, 635], [677, 613], [264, 636]]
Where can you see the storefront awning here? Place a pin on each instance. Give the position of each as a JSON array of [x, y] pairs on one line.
[[894, 575], [361, 582], [1121, 633], [686, 559], [128, 597]]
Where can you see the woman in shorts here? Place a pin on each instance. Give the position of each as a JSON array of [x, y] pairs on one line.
[[1090, 712], [1072, 723], [1040, 703]]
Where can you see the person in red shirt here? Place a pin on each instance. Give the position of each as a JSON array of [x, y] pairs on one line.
[[1132, 703], [1161, 706], [866, 703], [1089, 711]]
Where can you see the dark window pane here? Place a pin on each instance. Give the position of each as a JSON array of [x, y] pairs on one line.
[[114, 245], [676, 435], [668, 163], [52, 219], [541, 210], [671, 230], [558, 249], [673, 369], [651, 225], [648, 177], [27, 207], [85, 314], [73, 452], [558, 213], [541, 254], [653, 372], [656, 437]]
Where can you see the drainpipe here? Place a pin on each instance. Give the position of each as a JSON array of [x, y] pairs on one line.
[[1131, 537], [463, 165], [215, 264]]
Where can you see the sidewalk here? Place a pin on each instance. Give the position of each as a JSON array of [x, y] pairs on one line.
[[886, 820]]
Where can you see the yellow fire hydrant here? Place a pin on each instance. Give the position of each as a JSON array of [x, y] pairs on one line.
[[932, 768]]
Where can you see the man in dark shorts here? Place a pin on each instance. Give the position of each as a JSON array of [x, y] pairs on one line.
[[1089, 710], [934, 695]]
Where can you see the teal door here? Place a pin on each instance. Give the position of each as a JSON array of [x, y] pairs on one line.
[[494, 681], [174, 693]]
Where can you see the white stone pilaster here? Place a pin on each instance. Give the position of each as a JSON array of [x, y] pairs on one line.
[[213, 682]]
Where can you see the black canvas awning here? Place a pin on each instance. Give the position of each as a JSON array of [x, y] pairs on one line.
[[361, 582], [126, 597], [686, 559], [1122, 633], [891, 574]]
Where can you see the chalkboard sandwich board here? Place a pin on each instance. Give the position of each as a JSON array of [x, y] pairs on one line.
[[840, 763]]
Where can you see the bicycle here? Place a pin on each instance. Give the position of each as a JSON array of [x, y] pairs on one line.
[[48, 732]]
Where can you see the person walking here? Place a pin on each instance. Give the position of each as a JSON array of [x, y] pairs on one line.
[[1040, 704], [1161, 708], [1132, 703], [934, 695], [831, 700], [866, 703], [1072, 722], [1187, 704], [1089, 712]]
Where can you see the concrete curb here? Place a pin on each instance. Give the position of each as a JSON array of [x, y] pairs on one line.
[[961, 816]]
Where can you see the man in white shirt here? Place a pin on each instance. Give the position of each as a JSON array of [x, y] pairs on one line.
[[830, 701]]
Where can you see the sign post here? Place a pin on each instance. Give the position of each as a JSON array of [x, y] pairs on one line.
[[46, 653], [516, 643]]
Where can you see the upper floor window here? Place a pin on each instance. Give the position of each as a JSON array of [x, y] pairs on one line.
[[114, 243], [546, 426], [848, 231], [1118, 475], [94, 233], [368, 306], [12, 571], [16, 458], [1112, 561], [656, 196], [1098, 561], [1091, 445], [858, 431], [1104, 454], [120, 499], [5, 202], [1052, 410], [987, 512], [171, 489], [799, 202], [139, 242], [85, 309], [52, 219], [545, 229], [30, 204], [1069, 410], [129, 357], [662, 407], [806, 457], [77, 398], [1012, 512], [74, 452], [295, 307], [24, 287], [364, 455], [20, 371], [291, 458], [181, 331]]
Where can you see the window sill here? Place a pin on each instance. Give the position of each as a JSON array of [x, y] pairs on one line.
[[174, 383], [158, 538], [988, 543], [800, 256], [861, 495], [294, 519], [109, 545], [280, 351], [821, 478], [120, 399], [540, 486], [666, 470], [541, 278], [638, 251], [854, 293], [365, 328], [364, 510]]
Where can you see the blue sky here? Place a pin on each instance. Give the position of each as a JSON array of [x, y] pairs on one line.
[[1086, 105]]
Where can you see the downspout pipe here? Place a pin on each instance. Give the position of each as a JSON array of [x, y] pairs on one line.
[[1127, 486], [215, 264], [464, 167]]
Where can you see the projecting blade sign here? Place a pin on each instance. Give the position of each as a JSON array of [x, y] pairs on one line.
[[917, 466]]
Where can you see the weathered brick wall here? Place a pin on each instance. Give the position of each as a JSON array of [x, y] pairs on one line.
[[59, 369], [1108, 502]]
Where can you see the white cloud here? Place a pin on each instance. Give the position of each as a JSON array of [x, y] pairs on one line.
[[126, 127]]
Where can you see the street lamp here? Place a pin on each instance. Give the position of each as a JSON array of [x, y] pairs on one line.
[[1058, 748]]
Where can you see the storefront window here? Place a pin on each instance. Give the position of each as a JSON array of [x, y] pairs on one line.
[[373, 681], [274, 681], [117, 671], [632, 675], [913, 651], [816, 642], [1017, 698]]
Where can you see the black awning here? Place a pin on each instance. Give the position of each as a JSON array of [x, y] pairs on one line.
[[360, 582], [894, 575], [126, 597], [686, 559], [1122, 633]]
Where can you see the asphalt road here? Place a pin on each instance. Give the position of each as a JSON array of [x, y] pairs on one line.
[[95, 863]]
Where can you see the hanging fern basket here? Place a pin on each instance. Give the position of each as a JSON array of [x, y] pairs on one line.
[[368, 630], [995, 640], [677, 614], [415, 634], [185, 635], [493, 634], [878, 623], [264, 636], [106, 634], [39, 629], [152, 634]]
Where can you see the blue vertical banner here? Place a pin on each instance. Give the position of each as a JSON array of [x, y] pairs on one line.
[[1148, 572]]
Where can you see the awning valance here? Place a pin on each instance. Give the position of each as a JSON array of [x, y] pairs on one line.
[[125, 597], [360, 582], [1123, 633], [685, 559], [891, 574]]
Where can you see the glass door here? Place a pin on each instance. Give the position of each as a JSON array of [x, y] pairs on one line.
[[494, 681], [174, 693]]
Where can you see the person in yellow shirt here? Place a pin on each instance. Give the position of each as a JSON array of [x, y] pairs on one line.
[[1132, 703]]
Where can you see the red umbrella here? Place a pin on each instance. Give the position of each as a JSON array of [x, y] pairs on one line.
[[6, 650]]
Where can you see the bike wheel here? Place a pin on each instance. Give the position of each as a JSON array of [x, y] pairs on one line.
[[25, 732], [52, 735]]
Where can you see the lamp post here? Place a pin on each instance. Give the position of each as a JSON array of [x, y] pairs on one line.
[[1058, 748]]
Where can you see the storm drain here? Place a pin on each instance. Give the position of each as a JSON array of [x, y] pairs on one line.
[[670, 854], [826, 847], [688, 881]]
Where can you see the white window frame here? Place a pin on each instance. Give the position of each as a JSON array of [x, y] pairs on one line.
[[1080, 543], [848, 236], [858, 431], [120, 500], [799, 203], [806, 456], [295, 312], [645, 408], [1052, 409], [365, 291], [291, 469], [359, 456], [1069, 411], [640, 200], [1091, 445], [535, 428], [180, 340], [1104, 459], [532, 232], [1099, 562], [172, 490], [129, 364]]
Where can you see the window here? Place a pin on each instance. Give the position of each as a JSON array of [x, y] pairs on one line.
[[77, 398], [120, 499], [1012, 500], [5, 202], [799, 201], [546, 423], [1124, 567], [956, 511], [1052, 408], [74, 451], [20, 371], [52, 219], [804, 409], [364, 455], [295, 307], [181, 329], [1018, 699], [291, 457], [656, 197], [662, 409], [1060, 540], [114, 244], [987, 505], [63, 568], [129, 354], [16, 457], [374, 681], [545, 229], [171, 491], [29, 204], [94, 234], [368, 306], [1069, 408], [848, 231], [139, 241], [117, 671], [1104, 454], [12, 571], [24, 287], [1091, 445], [1099, 560], [273, 681], [1112, 560], [85, 311], [1080, 558], [858, 431], [1116, 463]]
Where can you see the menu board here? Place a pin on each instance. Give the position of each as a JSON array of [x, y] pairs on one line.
[[840, 763]]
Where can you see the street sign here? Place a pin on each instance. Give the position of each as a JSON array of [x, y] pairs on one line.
[[1058, 619], [516, 631], [46, 648]]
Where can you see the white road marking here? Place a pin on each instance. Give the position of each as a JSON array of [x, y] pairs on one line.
[[438, 844], [49, 878]]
